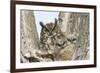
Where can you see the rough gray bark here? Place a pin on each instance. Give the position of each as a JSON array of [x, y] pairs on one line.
[[76, 25], [29, 36]]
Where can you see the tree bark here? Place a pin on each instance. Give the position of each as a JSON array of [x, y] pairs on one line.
[[29, 40], [76, 25]]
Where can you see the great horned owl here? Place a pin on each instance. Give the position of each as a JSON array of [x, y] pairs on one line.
[[54, 42], [51, 37]]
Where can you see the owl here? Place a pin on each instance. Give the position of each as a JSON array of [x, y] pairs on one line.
[[51, 38], [55, 44]]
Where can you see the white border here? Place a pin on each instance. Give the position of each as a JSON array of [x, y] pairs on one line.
[[51, 64]]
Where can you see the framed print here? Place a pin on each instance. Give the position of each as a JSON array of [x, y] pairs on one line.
[[52, 36]]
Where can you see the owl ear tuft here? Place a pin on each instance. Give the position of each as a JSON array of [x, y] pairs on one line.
[[55, 24], [42, 25], [55, 21]]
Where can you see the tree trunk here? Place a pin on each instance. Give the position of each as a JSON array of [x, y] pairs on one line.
[[76, 25], [29, 40]]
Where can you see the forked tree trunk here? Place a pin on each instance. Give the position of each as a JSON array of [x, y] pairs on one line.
[[75, 25]]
